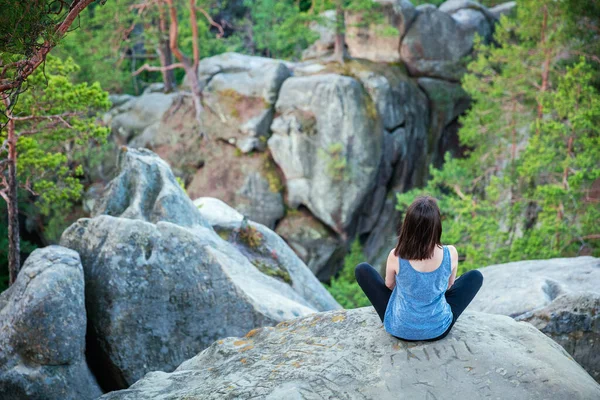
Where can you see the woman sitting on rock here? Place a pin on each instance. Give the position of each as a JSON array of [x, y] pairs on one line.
[[420, 298]]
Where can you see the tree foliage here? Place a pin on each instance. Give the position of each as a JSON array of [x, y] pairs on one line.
[[55, 122], [343, 287], [280, 28]]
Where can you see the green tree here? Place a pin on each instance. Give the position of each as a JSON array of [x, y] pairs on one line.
[[53, 120], [523, 189], [28, 31], [343, 287], [280, 28], [118, 39]]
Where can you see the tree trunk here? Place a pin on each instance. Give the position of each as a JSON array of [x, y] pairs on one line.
[[339, 50], [14, 261], [190, 67], [166, 59], [164, 52]]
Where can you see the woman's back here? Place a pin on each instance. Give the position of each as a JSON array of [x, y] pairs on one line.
[[417, 308]]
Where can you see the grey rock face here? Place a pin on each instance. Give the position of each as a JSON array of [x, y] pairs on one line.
[[328, 145], [146, 189], [447, 102], [161, 285], [241, 90], [139, 116], [313, 242], [559, 296], [436, 42], [573, 321], [42, 331], [346, 354], [519, 287], [372, 42], [258, 202], [266, 250]]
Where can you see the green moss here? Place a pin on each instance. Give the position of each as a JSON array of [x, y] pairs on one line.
[[231, 94], [372, 112], [250, 236], [273, 272], [223, 234], [271, 174], [336, 161]]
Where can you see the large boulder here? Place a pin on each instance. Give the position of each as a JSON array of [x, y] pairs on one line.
[[447, 102], [42, 331], [573, 321], [379, 41], [137, 119], [266, 250], [347, 354], [437, 41], [559, 296], [327, 141], [161, 284], [316, 244], [240, 92]]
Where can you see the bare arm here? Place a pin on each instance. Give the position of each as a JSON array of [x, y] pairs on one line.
[[454, 264], [391, 269]]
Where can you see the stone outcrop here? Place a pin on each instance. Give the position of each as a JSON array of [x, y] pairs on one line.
[[339, 140], [327, 141], [137, 119], [436, 43], [265, 250], [447, 102], [347, 354], [317, 245], [573, 321], [42, 331], [161, 284], [241, 91], [558, 296], [379, 42]]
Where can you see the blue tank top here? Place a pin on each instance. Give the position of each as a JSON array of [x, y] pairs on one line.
[[417, 309]]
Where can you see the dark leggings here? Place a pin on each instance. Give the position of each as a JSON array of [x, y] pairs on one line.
[[458, 296]]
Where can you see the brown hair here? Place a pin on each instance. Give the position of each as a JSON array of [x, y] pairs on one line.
[[420, 231]]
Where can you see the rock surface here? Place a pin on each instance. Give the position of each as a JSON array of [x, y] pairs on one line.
[[379, 42], [42, 331], [265, 250], [327, 141], [347, 354], [436, 42], [240, 91], [313, 242], [138, 118], [516, 288], [161, 284], [573, 321], [558, 296]]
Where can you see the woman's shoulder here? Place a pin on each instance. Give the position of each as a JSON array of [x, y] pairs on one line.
[[452, 249], [453, 254]]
